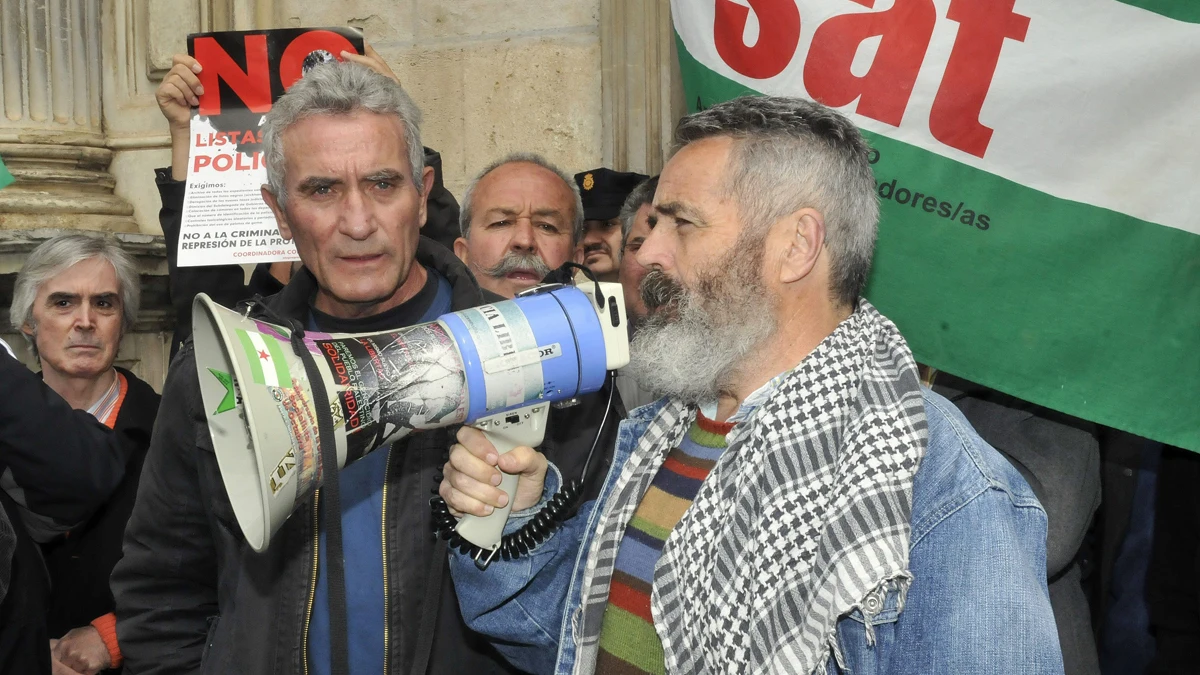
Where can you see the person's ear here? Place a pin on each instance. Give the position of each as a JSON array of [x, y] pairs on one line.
[[269, 198], [461, 249], [427, 183], [804, 240]]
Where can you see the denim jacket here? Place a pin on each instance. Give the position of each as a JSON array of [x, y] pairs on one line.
[[978, 601]]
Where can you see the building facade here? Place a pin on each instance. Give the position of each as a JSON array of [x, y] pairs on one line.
[[584, 82]]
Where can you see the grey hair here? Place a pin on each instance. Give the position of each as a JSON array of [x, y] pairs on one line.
[[792, 153], [642, 194], [338, 89], [464, 216], [55, 256]]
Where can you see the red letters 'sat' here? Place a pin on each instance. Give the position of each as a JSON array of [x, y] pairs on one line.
[[292, 61], [778, 35], [884, 91], [983, 27], [252, 85]]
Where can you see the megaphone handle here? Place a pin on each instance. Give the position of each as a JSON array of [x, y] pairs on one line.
[[486, 531], [506, 431]]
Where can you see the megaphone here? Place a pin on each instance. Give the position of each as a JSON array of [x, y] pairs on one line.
[[497, 367]]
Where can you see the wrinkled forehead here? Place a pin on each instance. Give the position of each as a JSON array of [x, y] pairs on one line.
[[523, 185], [360, 142], [699, 171]]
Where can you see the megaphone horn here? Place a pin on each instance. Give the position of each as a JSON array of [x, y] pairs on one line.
[[496, 366]]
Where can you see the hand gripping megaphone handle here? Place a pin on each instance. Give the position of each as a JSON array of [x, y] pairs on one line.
[[521, 427]]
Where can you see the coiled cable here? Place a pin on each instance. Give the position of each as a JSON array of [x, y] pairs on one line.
[[543, 524]]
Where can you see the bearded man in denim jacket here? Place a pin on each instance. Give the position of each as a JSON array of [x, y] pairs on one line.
[[798, 502]]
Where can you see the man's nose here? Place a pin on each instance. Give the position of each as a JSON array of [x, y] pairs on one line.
[[658, 248], [593, 235], [85, 317], [522, 237], [357, 219]]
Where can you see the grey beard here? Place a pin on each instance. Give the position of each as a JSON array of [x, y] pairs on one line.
[[692, 347]]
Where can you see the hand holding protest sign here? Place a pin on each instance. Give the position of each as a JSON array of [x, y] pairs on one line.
[[180, 91], [177, 95], [371, 59]]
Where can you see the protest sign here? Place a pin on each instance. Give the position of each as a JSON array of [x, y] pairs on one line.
[[225, 220], [1036, 169]]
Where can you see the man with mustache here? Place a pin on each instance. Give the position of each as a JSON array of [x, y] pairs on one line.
[[797, 503], [521, 218], [604, 192]]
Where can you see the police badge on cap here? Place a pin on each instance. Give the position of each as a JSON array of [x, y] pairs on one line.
[[604, 191]]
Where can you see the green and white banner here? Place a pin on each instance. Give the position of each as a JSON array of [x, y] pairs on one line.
[[1038, 168]]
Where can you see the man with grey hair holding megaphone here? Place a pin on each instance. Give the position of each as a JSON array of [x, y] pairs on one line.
[[346, 183]]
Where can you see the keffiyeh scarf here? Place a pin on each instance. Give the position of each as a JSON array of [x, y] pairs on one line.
[[804, 518]]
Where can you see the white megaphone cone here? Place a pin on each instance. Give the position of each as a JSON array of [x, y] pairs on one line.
[[497, 367]]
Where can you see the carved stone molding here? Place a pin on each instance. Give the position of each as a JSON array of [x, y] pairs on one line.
[[51, 130], [642, 92], [63, 186], [50, 68], [148, 250]]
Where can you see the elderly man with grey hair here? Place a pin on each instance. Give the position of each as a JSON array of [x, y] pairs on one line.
[[368, 594], [521, 218], [71, 448], [798, 502]]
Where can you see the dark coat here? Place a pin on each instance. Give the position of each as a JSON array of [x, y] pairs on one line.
[[81, 563], [64, 462], [66, 465], [1173, 580]]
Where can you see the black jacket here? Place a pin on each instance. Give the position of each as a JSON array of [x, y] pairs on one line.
[[62, 461], [225, 283], [81, 563], [24, 640], [65, 466], [193, 597], [1173, 580]]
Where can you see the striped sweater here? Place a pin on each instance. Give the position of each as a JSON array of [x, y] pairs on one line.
[[628, 642]]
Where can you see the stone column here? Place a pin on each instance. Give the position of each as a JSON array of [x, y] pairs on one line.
[[51, 128], [642, 91]]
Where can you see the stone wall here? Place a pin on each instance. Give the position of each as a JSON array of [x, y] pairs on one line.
[[491, 76]]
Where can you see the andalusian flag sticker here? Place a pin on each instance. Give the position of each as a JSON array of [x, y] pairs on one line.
[[267, 363]]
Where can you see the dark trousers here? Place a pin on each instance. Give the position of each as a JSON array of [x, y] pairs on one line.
[[24, 641]]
